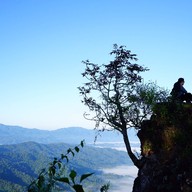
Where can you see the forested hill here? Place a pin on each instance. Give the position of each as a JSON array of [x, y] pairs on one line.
[[73, 135], [20, 163]]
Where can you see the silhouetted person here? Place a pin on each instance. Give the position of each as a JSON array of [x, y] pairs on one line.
[[180, 93]]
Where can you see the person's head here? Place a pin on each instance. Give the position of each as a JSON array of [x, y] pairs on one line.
[[181, 81]]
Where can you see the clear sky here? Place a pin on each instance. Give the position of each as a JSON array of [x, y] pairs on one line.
[[42, 44]]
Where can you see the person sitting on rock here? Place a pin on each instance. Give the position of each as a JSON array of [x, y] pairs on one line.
[[180, 93]]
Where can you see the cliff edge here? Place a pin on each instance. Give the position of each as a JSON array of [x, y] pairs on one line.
[[166, 150]]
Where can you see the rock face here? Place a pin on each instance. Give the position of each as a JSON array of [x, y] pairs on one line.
[[166, 150]]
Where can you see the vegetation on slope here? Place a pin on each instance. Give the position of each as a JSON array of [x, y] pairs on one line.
[[20, 164]]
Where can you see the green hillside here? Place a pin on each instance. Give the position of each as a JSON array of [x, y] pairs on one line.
[[21, 163]]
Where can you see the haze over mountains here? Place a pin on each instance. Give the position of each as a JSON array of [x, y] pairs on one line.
[[73, 135], [21, 163], [24, 152]]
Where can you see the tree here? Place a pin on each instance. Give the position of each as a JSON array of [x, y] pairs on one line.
[[117, 96]]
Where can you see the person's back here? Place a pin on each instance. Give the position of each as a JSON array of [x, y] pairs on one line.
[[179, 92], [178, 89]]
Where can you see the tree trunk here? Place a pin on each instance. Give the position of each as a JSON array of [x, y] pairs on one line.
[[132, 156]]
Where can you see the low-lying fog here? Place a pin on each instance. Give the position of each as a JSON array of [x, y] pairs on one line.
[[126, 178], [121, 178]]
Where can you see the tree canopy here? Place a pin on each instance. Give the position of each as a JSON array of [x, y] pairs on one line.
[[116, 94]]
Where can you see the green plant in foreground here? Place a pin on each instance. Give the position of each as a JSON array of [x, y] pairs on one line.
[[55, 178]]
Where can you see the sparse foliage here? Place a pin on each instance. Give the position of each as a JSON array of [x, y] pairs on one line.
[[54, 176], [117, 96]]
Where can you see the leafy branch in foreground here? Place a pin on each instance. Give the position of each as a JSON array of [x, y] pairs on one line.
[[55, 176]]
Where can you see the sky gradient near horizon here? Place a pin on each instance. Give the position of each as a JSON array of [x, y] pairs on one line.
[[42, 44]]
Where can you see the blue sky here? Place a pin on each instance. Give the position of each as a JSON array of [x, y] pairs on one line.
[[42, 44]]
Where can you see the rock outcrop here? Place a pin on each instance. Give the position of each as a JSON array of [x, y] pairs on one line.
[[166, 150]]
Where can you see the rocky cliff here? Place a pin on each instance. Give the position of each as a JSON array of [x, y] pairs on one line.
[[166, 150]]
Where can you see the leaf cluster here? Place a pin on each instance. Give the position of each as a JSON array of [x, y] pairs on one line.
[[55, 177]]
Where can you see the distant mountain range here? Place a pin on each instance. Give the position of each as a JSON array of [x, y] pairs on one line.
[[21, 163], [24, 152], [72, 135]]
